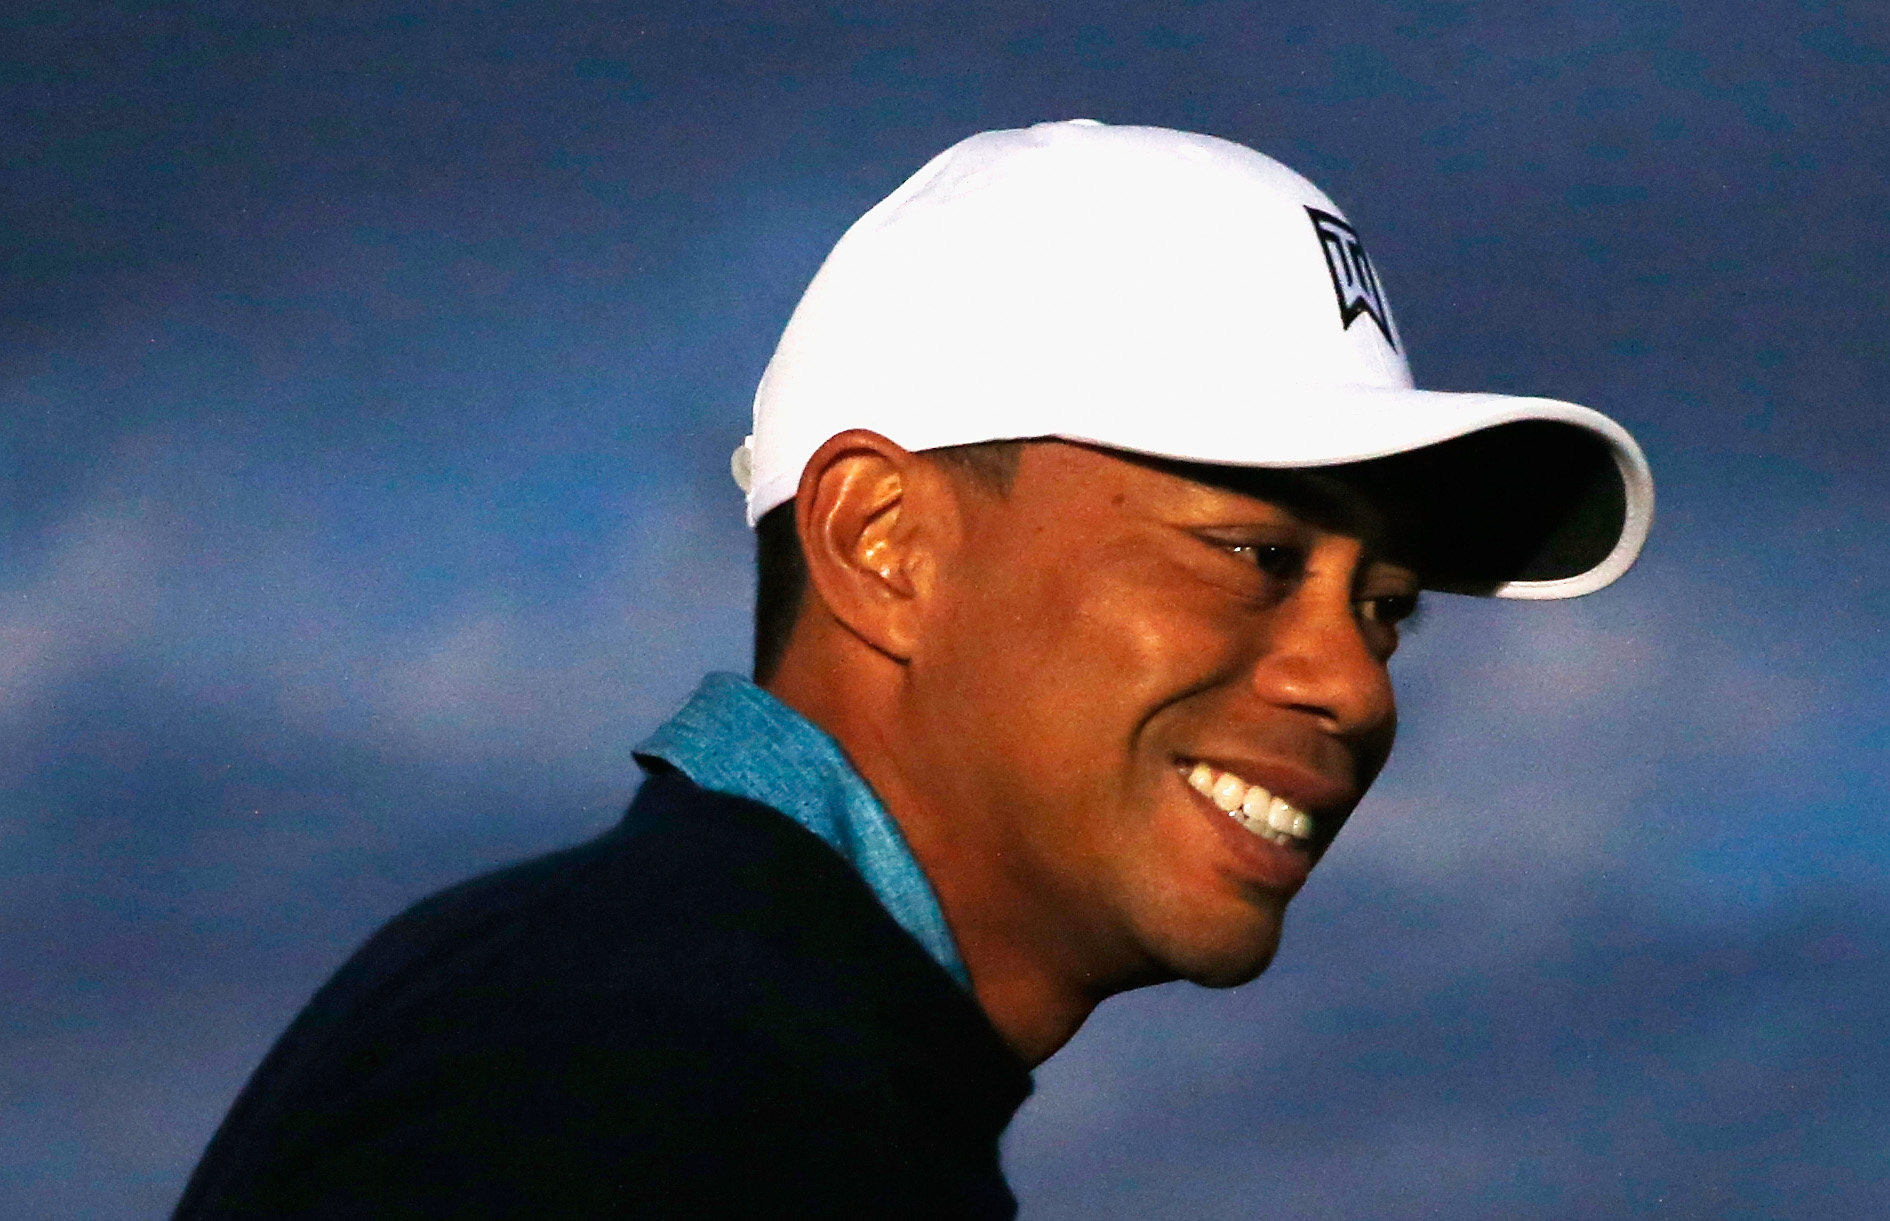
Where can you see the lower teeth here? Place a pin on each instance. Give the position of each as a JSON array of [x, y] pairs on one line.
[[1263, 831]]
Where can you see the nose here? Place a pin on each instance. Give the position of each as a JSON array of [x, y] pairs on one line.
[[1317, 659]]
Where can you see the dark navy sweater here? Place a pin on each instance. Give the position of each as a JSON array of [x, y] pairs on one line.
[[704, 1012]]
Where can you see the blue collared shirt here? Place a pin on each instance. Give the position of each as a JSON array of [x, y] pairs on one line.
[[733, 737]]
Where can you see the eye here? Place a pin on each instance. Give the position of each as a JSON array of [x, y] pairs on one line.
[[1280, 563], [1390, 609]]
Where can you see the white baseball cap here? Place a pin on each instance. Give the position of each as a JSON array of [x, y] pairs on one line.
[[1179, 296]]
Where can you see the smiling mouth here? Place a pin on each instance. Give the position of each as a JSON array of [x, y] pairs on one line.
[[1251, 805]]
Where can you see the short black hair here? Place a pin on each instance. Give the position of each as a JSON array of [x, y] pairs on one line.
[[781, 568]]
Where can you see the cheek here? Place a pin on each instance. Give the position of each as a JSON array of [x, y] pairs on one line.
[[1106, 661], [1150, 645], [1052, 675]]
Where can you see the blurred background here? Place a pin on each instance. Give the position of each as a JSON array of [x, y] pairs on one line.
[[368, 375]]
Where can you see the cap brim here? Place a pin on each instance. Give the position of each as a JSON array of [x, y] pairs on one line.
[[1515, 497]]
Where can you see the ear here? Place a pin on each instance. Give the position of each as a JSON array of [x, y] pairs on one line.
[[871, 516]]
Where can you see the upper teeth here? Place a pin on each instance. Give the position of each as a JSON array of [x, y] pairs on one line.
[[1250, 805]]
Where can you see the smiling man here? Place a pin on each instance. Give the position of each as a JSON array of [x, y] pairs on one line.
[[1091, 490]]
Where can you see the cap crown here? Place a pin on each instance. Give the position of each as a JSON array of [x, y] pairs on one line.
[[1122, 285]]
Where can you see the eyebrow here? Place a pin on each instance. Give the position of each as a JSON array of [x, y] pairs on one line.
[[1324, 499]]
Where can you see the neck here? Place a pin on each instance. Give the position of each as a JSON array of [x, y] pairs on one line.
[[1037, 982]]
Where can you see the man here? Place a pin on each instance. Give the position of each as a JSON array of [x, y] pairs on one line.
[[1091, 489]]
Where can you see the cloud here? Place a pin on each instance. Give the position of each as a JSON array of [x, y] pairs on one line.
[[1620, 1060], [79, 598], [239, 590], [1552, 744]]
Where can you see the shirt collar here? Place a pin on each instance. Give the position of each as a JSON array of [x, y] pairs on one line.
[[733, 737]]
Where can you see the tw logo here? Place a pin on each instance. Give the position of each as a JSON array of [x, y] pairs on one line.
[[1352, 275]]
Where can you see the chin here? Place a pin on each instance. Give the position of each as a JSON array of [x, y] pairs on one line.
[[1230, 973], [1224, 958]]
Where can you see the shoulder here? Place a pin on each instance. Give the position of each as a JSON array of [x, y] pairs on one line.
[[706, 990], [691, 886], [697, 902]]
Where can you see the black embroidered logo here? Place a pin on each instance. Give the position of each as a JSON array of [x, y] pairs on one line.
[[1352, 275]]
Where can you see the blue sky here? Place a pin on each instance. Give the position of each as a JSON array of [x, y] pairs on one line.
[[367, 382]]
